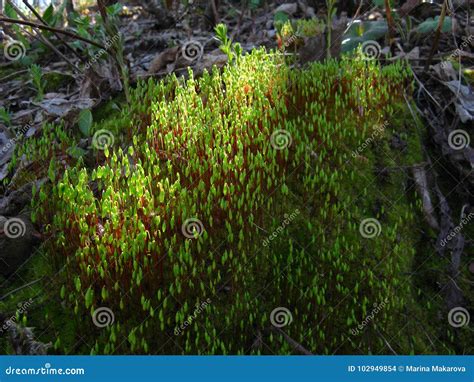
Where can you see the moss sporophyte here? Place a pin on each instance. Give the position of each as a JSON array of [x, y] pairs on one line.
[[232, 151]]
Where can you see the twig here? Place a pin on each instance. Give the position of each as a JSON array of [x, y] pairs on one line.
[[437, 34], [386, 342], [51, 29], [38, 16], [20, 288], [14, 74], [421, 182], [295, 345], [390, 22], [214, 10], [41, 37], [354, 18]]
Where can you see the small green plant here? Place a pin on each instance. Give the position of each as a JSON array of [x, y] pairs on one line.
[[331, 11], [309, 28], [36, 75], [232, 50], [5, 116]]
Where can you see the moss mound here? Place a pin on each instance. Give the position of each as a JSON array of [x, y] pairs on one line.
[[235, 211]]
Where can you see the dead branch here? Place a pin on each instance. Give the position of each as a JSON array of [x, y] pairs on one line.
[[51, 29]]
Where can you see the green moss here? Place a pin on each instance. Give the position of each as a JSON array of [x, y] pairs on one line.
[[255, 150], [56, 80]]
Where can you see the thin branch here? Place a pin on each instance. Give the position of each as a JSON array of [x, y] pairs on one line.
[[295, 345], [437, 34], [20, 288], [40, 37], [51, 29], [58, 36]]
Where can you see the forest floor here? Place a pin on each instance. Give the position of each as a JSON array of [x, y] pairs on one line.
[[422, 168]]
